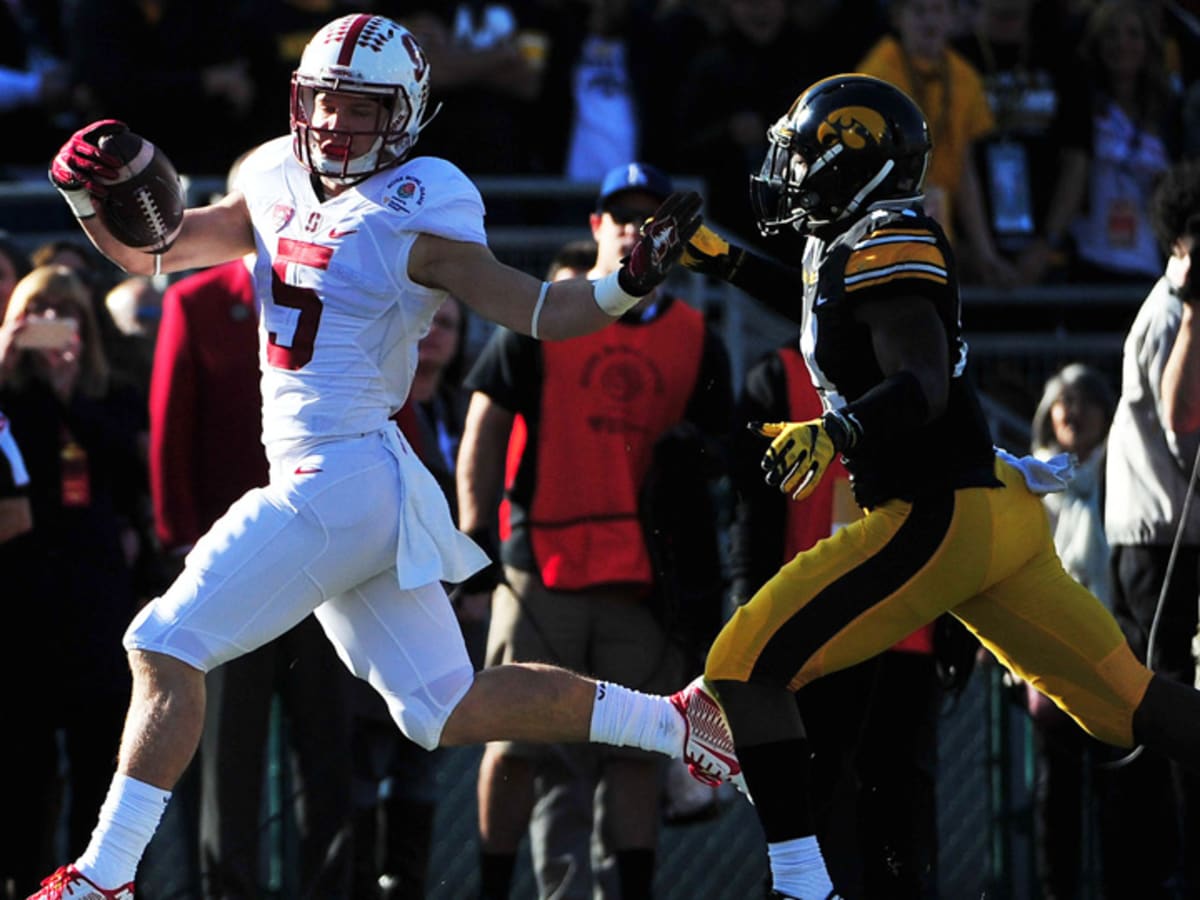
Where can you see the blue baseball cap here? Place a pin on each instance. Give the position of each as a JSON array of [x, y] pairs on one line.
[[635, 176]]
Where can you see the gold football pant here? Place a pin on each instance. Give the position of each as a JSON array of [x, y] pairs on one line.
[[983, 554]]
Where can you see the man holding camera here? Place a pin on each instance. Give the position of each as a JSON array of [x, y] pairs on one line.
[[1154, 532]]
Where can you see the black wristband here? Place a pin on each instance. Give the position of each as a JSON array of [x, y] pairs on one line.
[[894, 406], [841, 430]]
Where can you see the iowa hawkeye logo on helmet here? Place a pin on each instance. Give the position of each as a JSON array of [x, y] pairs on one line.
[[854, 126], [848, 143]]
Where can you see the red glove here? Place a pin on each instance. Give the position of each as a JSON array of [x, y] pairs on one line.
[[664, 238], [80, 165]]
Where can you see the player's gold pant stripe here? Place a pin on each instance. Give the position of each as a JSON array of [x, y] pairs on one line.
[[985, 554]]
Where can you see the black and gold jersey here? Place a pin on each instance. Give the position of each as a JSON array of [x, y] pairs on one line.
[[892, 254]]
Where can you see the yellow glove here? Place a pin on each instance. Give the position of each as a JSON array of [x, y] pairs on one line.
[[710, 254], [799, 454]]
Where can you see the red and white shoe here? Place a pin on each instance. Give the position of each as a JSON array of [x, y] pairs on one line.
[[707, 741], [68, 883]]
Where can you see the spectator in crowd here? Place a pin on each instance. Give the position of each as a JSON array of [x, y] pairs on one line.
[[1073, 417], [134, 306], [97, 273], [311, 540], [183, 66], [281, 29], [731, 91], [953, 524], [395, 787], [1151, 807], [1180, 30], [16, 521], [16, 517], [607, 65], [131, 309], [38, 95], [14, 265], [490, 59], [1017, 46], [78, 434], [206, 452], [75, 255], [579, 572], [1119, 130], [919, 60]]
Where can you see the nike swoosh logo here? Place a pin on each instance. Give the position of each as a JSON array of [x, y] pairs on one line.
[[733, 764], [334, 233], [308, 470]]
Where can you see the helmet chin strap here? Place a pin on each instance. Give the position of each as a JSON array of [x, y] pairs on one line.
[[361, 166], [354, 170], [421, 126], [856, 201]]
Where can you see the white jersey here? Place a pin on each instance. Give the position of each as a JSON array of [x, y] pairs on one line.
[[340, 318]]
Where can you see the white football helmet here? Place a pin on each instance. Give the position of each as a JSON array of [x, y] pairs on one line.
[[361, 54]]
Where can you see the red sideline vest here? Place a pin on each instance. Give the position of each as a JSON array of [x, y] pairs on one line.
[[812, 520], [606, 399]]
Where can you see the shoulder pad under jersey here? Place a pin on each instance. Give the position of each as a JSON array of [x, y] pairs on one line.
[[264, 157], [434, 196], [894, 246]]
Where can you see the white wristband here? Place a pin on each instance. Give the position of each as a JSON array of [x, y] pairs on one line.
[[610, 298], [80, 202], [537, 311]]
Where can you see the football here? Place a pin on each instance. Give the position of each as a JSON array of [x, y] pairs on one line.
[[144, 204]]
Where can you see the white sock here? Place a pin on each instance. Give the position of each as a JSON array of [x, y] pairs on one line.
[[128, 818], [798, 868], [628, 718]]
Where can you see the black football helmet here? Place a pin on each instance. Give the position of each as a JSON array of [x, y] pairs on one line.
[[847, 144]]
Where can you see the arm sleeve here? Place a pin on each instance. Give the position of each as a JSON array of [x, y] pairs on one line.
[[774, 284]]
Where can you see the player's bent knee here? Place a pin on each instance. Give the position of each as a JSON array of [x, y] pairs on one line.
[[422, 715], [151, 635]]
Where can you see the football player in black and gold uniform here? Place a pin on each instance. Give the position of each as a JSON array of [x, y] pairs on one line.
[[952, 523]]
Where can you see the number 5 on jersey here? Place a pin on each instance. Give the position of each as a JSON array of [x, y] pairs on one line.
[[291, 336]]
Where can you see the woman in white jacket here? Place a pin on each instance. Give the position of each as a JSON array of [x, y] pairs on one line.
[[1073, 417]]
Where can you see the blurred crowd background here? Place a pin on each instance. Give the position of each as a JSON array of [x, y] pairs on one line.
[[1052, 122]]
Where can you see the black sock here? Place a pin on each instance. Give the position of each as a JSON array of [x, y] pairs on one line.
[[635, 868], [495, 872], [1168, 721], [778, 776]]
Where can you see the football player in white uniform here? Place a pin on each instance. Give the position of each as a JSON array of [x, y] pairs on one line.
[[356, 245]]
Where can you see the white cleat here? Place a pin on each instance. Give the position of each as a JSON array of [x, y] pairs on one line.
[[707, 742], [68, 883]]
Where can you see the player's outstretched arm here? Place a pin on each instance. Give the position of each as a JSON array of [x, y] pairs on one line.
[[567, 308], [775, 284], [128, 201], [209, 235]]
